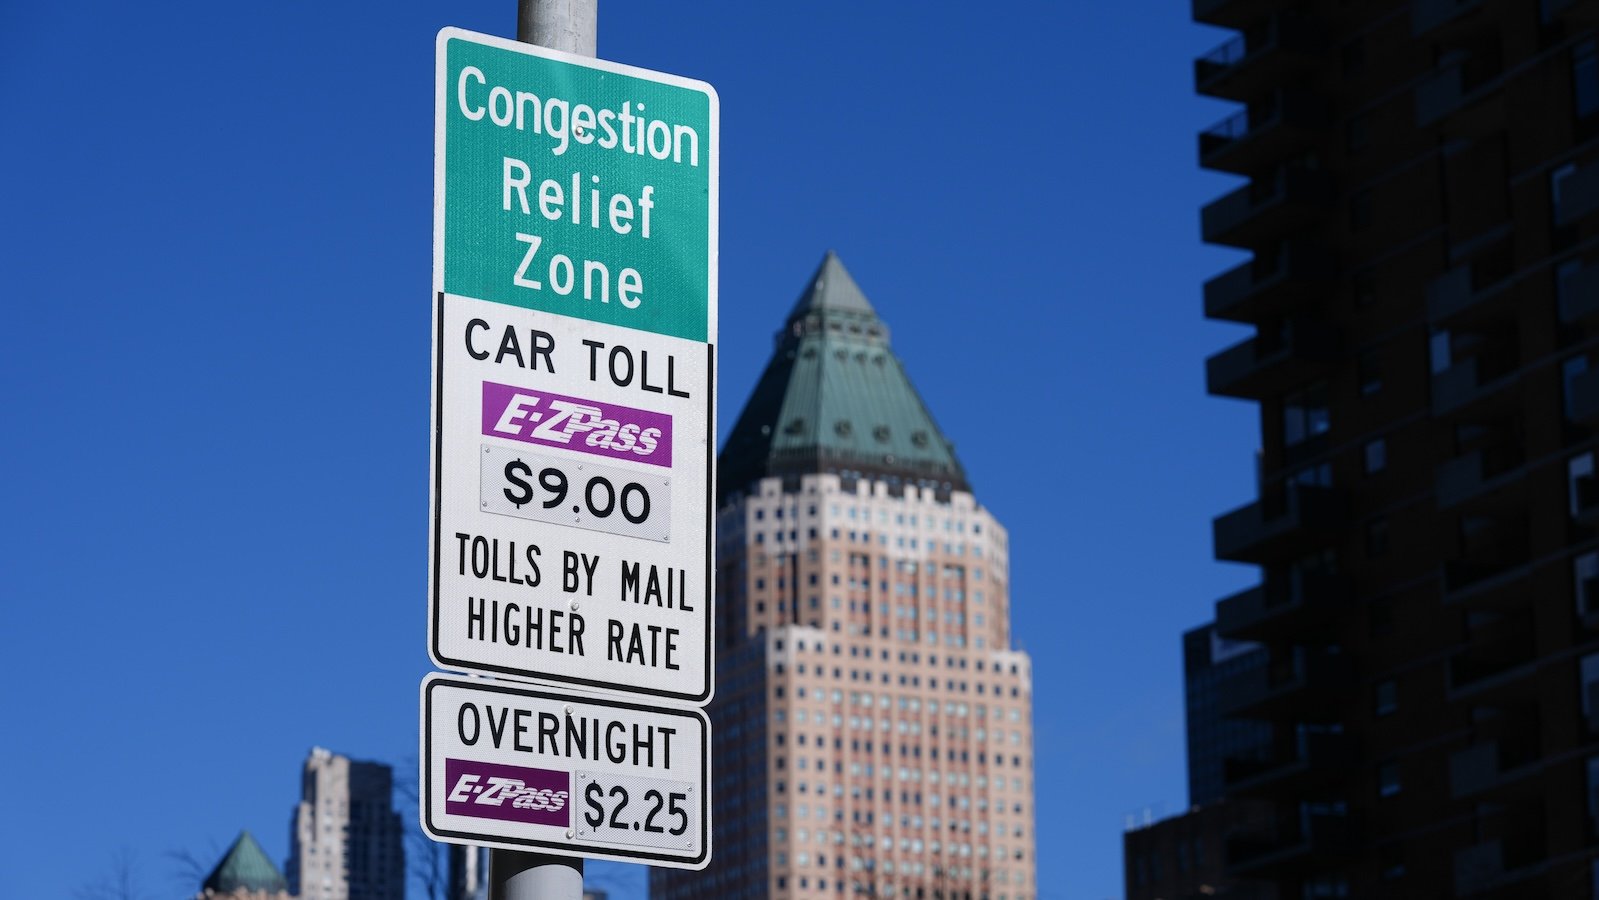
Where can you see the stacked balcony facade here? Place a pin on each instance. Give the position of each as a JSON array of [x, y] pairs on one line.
[[1419, 202]]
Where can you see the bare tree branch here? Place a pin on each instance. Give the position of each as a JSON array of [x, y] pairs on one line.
[[120, 881]]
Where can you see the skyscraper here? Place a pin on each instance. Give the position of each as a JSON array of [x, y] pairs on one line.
[[346, 841], [872, 723], [1422, 214]]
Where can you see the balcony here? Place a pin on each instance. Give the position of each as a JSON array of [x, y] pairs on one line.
[[1281, 606], [1586, 489], [1488, 478], [1312, 840], [1579, 293], [1279, 524], [1255, 368], [1314, 758], [1491, 565], [1500, 862], [1582, 398], [1471, 385], [1492, 767], [1460, 98], [1290, 200], [1433, 15], [1271, 282], [1266, 54], [1579, 195], [1284, 123], [1465, 292], [1286, 685], [1503, 650]]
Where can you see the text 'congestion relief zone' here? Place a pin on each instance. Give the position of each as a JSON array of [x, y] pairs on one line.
[[577, 190]]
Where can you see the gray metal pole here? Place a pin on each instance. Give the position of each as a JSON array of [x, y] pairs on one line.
[[568, 25], [571, 26]]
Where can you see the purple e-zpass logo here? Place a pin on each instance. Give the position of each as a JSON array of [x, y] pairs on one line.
[[588, 426], [511, 793]]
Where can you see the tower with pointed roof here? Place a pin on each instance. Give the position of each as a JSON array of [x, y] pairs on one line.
[[244, 873], [872, 722]]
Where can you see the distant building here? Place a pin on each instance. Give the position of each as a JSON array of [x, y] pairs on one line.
[[244, 873], [469, 872], [346, 841], [1210, 664], [1183, 856], [872, 722]]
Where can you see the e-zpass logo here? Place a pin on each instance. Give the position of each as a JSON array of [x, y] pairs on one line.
[[511, 793], [588, 426]]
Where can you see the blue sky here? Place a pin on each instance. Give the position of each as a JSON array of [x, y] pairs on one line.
[[217, 250]]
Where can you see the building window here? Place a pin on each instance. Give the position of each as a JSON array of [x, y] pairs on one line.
[[1388, 779], [1354, 57], [1305, 414], [1376, 456], [1585, 574], [1360, 211], [1569, 370], [1579, 474], [1357, 136], [1365, 289], [1593, 797], [1557, 181], [1438, 352], [1590, 691], [1370, 373], [1391, 861], [1377, 537], [1585, 79], [1386, 697], [1314, 476]]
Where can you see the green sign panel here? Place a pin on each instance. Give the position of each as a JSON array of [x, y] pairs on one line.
[[575, 186]]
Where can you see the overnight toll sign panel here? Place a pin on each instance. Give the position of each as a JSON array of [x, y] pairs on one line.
[[572, 535], [517, 768]]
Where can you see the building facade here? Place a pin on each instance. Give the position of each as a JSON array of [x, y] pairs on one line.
[[1182, 856], [872, 722], [1422, 217], [346, 841]]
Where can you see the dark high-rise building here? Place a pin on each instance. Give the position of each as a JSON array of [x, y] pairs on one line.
[[872, 725], [1422, 217]]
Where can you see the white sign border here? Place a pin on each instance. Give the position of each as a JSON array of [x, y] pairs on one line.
[[598, 851]]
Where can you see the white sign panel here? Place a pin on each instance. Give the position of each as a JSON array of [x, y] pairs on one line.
[[572, 537], [516, 768]]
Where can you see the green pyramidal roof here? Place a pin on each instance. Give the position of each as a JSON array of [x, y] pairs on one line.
[[245, 866], [835, 398]]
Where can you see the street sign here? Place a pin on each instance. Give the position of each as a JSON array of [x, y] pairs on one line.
[[574, 352], [517, 768]]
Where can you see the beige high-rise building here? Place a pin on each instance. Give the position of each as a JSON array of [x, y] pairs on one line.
[[872, 724], [347, 842]]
